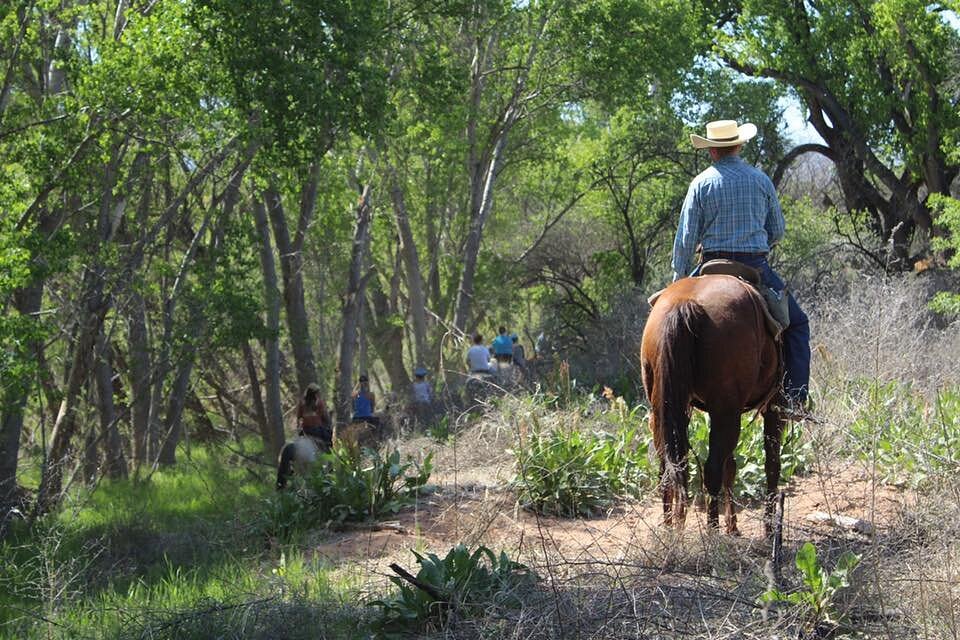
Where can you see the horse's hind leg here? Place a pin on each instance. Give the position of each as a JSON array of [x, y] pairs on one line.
[[666, 494], [729, 476], [772, 437], [721, 468]]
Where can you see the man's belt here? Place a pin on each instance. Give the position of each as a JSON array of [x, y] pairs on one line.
[[731, 255]]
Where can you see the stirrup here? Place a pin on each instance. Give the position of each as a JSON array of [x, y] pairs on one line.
[[795, 411]]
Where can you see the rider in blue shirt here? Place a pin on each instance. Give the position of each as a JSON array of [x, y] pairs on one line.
[[502, 346], [732, 211], [364, 403]]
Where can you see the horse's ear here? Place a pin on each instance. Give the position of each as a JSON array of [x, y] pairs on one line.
[[652, 300]]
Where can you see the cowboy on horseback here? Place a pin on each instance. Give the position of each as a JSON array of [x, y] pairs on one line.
[[732, 211]]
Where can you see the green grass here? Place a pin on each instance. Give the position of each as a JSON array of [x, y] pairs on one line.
[[177, 556]]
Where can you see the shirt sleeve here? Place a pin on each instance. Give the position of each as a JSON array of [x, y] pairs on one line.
[[688, 233], [775, 224]]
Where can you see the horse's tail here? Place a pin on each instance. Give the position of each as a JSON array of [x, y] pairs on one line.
[[285, 464], [674, 387]]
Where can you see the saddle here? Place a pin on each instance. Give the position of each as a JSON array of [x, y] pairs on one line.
[[776, 311]]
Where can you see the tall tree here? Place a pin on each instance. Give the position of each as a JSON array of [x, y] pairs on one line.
[[272, 406], [352, 305], [291, 267], [871, 75]]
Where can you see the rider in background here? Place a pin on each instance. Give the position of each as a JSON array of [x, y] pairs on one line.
[[312, 416], [519, 357], [422, 391], [364, 403], [733, 212], [478, 358], [502, 346]]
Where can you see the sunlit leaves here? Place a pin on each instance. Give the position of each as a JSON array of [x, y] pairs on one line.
[[305, 68]]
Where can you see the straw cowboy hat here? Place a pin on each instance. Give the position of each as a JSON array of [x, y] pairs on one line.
[[724, 133]]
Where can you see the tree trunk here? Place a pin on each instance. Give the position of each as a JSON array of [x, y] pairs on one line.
[[474, 237], [387, 337], [27, 301], [164, 436], [91, 456], [139, 361], [411, 261], [291, 267], [273, 406], [93, 309], [173, 421], [91, 319], [255, 394], [351, 307], [484, 162], [116, 464]]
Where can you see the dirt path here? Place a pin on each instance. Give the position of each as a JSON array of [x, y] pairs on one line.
[[472, 504]]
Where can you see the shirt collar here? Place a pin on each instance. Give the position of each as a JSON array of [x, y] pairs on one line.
[[729, 160]]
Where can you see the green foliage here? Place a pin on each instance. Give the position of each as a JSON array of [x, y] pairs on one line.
[[366, 485], [809, 247], [466, 583], [306, 69], [948, 209], [624, 48], [817, 596], [751, 480], [346, 485], [561, 388], [439, 428], [718, 93], [574, 473], [910, 438], [227, 291]]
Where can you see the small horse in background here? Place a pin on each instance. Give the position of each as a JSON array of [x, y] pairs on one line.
[[298, 455], [706, 344]]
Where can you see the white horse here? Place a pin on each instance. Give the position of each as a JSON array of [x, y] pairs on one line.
[[298, 455]]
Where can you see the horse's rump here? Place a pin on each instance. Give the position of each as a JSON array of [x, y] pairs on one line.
[[299, 454], [705, 343]]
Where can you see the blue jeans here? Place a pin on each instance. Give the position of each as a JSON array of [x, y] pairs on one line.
[[796, 337]]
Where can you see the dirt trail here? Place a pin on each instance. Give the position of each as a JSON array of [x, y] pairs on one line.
[[472, 503]]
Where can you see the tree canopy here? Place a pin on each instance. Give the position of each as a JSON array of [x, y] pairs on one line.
[[206, 205]]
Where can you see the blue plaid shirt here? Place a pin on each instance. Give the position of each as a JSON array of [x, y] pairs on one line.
[[730, 207]]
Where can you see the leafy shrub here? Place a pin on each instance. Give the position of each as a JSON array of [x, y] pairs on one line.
[[463, 583], [361, 485], [911, 439], [820, 587], [573, 473], [570, 473], [347, 484], [948, 217], [285, 514], [439, 429]]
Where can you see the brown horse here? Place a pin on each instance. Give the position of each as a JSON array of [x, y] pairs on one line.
[[706, 344]]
